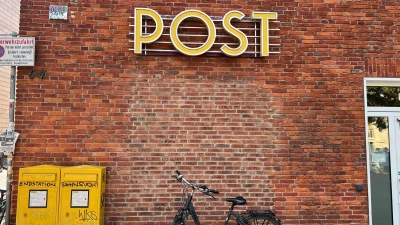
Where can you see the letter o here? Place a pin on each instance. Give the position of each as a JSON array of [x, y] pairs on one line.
[[183, 48]]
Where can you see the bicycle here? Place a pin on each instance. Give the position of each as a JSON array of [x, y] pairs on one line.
[[3, 205], [253, 217]]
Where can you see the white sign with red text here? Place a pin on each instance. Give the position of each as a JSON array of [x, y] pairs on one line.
[[17, 51]]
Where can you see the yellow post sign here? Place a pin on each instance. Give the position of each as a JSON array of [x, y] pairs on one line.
[[262, 17], [38, 195], [82, 195]]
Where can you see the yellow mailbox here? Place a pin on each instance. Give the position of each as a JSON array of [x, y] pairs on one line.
[[38, 195], [82, 195]]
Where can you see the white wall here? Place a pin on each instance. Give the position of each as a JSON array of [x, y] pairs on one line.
[[9, 22]]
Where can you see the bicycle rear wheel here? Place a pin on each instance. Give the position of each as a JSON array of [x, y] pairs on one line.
[[261, 220]]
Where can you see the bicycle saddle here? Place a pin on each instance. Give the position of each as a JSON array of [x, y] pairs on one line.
[[237, 201]]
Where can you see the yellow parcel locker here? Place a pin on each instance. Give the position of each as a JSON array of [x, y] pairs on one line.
[[38, 195], [82, 195]]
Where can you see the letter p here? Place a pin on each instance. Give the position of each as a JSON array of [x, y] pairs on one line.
[[139, 38]]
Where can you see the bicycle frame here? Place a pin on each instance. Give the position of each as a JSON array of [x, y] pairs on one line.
[[230, 213], [188, 207]]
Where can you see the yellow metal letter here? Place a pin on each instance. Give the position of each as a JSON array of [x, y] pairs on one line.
[[183, 48], [264, 35], [139, 38], [235, 32]]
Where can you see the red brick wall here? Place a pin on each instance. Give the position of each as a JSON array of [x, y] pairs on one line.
[[285, 131]]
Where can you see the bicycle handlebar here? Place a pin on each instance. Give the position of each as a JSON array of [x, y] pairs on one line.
[[202, 188]]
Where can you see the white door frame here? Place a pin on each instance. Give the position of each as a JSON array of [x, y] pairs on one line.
[[393, 113]]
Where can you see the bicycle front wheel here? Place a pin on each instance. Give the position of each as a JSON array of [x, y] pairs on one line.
[[2, 213], [180, 218], [178, 222], [261, 220]]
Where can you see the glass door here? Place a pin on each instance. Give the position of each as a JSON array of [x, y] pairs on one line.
[[380, 170], [382, 101]]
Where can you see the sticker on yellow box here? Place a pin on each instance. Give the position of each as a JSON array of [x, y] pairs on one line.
[[80, 199], [37, 199]]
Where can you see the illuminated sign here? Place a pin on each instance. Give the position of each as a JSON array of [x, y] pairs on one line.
[[223, 35]]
